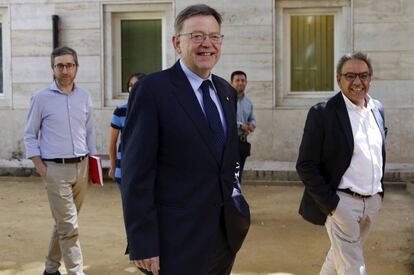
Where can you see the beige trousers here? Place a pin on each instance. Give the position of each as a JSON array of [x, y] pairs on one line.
[[66, 186], [347, 229]]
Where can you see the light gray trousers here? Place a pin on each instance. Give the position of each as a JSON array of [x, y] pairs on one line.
[[66, 186], [347, 229]]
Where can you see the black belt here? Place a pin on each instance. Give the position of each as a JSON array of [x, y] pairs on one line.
[[353, 194], [243, 138], [67, 160]]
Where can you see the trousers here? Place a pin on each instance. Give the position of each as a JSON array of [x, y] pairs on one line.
[[221, 260], [347, 229], [244, 152], [66, 186]]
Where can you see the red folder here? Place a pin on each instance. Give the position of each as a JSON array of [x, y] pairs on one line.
[[95, 170]]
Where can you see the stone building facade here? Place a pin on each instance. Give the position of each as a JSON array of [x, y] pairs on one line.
[[258, 40]]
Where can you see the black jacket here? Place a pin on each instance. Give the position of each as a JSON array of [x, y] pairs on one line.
[[175, 187], [325, 154]]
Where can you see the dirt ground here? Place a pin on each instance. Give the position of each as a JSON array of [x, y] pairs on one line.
[[279, 241]]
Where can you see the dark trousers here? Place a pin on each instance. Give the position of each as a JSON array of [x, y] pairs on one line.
[[244, 152], [222, 259]]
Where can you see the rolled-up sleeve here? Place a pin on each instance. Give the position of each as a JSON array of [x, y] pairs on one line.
[[31, 131], [252, 118]]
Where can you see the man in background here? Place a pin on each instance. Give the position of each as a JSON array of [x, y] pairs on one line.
[[58, 137], [246, 121]]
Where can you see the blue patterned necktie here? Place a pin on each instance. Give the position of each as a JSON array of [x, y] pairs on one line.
[[213, 118]]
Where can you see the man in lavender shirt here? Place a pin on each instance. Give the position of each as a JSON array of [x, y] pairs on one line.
[[58, 137]]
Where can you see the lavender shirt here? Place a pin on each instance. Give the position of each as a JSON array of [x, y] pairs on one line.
[[60, 125]]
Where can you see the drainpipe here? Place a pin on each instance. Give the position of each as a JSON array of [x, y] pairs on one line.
[[55, 20]]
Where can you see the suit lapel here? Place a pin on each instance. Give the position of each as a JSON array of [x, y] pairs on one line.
[[188, 101], [344, 119]]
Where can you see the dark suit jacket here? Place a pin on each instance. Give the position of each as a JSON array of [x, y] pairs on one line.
[[325, 154], [175, 187]]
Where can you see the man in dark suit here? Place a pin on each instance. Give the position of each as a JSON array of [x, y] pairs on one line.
[[179, 157], [341, 162]]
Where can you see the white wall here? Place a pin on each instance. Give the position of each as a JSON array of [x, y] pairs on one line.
[[382, 28]]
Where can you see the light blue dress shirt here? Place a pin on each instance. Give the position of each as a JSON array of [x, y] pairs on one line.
[[245, 113], [196, 82], [60, 125]]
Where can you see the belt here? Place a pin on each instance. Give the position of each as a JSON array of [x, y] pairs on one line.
[[353, 194], [243, 138], [67, 160]]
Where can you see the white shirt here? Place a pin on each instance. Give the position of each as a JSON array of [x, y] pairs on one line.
[[364, 174]]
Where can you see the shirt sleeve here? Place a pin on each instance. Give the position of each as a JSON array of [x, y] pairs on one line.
[[31, 131], [252, 118], [116, 122]]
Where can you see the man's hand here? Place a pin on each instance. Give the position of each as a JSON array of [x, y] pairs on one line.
[[41, 169], [111, 173], [251, 127], [247, 128], [40, 166], [151, 264], [244, 128]]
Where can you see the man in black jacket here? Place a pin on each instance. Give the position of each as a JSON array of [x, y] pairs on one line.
[[341, 163], [179, 159]]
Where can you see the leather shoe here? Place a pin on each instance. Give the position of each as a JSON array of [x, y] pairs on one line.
[[55, 273]]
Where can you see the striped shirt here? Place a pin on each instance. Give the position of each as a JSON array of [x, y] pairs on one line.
[[118, 122]]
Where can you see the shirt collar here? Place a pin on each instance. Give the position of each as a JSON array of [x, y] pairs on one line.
[[353, 107], [54, 87], [195, 80]]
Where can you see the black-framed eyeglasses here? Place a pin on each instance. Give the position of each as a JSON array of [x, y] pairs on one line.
[[199, 37], [68, 66], [352, 76]]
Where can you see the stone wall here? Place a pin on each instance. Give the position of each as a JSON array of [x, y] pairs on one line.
[[382, 28]]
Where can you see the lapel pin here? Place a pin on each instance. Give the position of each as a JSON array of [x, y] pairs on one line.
[[227, 98]]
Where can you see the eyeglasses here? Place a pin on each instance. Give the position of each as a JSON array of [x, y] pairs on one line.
[[68, 66], [199, 37], [352, 76]]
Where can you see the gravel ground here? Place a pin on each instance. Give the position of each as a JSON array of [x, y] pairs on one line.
[[279, 241]]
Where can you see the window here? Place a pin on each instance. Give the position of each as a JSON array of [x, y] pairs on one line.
[[140, 47], [311, 53], [136, 39], [1, 58], [310, 39], [5, 58]]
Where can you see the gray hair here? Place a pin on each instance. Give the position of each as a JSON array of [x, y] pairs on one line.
[[193, 10], [353, 56]]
